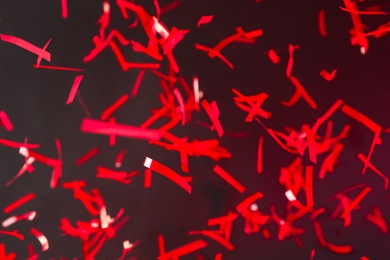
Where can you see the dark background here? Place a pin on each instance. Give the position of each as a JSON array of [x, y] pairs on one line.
[[34, 99]]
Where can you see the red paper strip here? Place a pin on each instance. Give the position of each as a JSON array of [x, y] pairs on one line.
[[353, 113], [119, 158], [183, 250], [229, 179], [354, 203], [328, 76], [218, 54], [299, 92], [57, 68], [259, 167], [273, 56], [168, 173], [64, 5], [374, 169], [41, 53], [309, 187], [148, 178], [74, 88], [137, 83], [12, 233], [19, 203], [18, 145], [105, 128], [290, 60], [6, 121], [82, 159], [42, 239], [321, 23], [3, 254], [111, 109], [213, 115], [204, 20], [377, 219]]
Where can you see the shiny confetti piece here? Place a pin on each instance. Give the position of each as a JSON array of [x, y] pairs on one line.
[[168, 173], [41, 238]]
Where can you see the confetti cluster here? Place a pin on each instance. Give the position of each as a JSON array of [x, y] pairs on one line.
[[169, 129]]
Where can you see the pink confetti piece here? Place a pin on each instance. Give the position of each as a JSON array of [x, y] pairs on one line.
[[354, 203], [328, 76], [87, 156], [41, 53], [74, 88], [273, 56], [42, 239], [105, 128], [13, 219], [321, 23], [168, 173], [205, 20], [256, 108], [213, 115], [19, 203], [6, 121], [259, 167], [229, 179], [64, 6]]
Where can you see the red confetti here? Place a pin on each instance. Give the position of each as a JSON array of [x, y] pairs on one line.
[[321, 23], [273, 56], [229, 179], [74, 88], [87, 156], [42, 239], [299, 92], [19, 203], [328, 76], [205, 20], [64, 5], [168, 173], [6, 121]]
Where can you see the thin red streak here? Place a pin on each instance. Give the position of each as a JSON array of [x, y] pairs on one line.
[[82, 159], [19, 203], [137, 83], [74, 88], [321, 23], [229, 179], [56, 68], [260, 155], [64, 5], [111, 109]]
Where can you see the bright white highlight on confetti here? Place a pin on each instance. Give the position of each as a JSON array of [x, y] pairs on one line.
[[127, 244], [106, 7], [148, 162], [362, 50], [23, 151], [160, 29], [290, 196], [196, 89], [254, 207]]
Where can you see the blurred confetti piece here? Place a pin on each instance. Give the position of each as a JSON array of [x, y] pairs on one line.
[[74, 89], [13, 219], [204, 20], [229, 179], [328, 75], [321, 23], [6, 121], [273, 56], [42, 239], [19, 203], [64, 5]]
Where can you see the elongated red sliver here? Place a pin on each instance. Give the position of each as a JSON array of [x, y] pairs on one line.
[[229, 179], [218, 54], [299, 92], [327, 114], [73, 90], [148, 178], [374, 169], [321, 23], [19, 203], [328, 76], [105, 128], [204, 20], [319, 234], [64, 5], [377, 219], [259, 167], [290, 62], [26, 45], [183, 250], [85, 157], [273, 56], [137, 83], [218, 256], [5, 120], [111, 109], [57, 68], [12, 233], [262, 97], [353, 113], [213, 116], [248, 202], [119, 158], [42, 239], [222, 44], [340, 249], [180, 100], [215, 236], [356, 201], [168, 173], [309, 186]]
